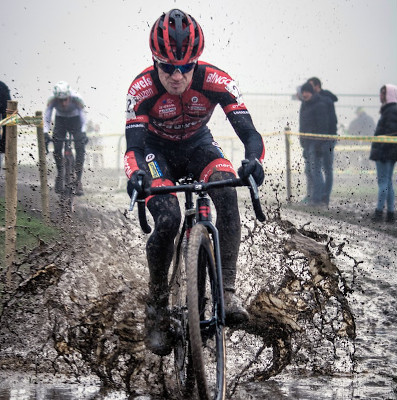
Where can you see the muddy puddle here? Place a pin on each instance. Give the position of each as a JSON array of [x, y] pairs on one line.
[[322, 299]]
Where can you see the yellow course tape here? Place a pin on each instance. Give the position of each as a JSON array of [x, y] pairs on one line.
[[378, 139], [16, 119]]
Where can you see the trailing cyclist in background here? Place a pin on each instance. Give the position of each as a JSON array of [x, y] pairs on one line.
[[168, 107], [69, 117]]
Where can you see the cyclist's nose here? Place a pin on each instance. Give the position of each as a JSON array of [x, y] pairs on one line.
[[177, 75]]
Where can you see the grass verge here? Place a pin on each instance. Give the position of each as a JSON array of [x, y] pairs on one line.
[[30, 230]]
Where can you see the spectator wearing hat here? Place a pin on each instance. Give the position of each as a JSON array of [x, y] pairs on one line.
[[313, 118]]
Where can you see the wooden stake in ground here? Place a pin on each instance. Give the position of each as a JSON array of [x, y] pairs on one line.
[[11, 172], [43, 170]]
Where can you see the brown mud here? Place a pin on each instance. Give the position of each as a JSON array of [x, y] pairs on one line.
[[77, 305]]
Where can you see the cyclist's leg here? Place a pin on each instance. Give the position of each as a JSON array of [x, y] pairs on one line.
[[58, 137], [79, 145], [159, 250]]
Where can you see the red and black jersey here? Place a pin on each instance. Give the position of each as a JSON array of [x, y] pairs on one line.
[[153, 112]]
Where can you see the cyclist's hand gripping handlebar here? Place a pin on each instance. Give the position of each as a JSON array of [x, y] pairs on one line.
[[141, 208], [139, 196], [254, 192]]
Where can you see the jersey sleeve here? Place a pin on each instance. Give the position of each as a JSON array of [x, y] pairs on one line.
[[80, 106], [226, 92], [48, 115], [141, 90]]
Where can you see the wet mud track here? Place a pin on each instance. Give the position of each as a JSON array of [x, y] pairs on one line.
[[321, 310]]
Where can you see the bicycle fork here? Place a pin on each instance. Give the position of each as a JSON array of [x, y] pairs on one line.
[[204, 217]]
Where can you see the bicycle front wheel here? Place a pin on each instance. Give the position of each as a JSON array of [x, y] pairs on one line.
[[207, 336], [70, 184], [185, 378]]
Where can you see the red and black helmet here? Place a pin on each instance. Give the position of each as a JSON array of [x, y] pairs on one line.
[[176, 38]]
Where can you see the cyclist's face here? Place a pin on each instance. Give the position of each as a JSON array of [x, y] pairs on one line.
[[175, 83], [64, 102]]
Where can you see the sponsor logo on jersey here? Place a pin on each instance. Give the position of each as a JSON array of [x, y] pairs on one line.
[[138, 85], [197, 107], [150, 157], [218, 79], [167, 109], [155, 170], [194, 99], [177, 126], [216, 144], [131, 126]]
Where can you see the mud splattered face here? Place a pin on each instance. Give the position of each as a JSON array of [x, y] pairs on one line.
[[175, 83]]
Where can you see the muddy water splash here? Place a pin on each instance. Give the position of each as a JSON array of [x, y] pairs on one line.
[[78, 308]]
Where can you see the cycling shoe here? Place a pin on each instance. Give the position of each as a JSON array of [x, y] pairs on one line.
[[234, 310], [159, 336]]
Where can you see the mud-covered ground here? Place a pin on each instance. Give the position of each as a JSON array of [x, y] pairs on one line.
[[320, 286]]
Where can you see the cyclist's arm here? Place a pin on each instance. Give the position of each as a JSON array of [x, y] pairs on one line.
[[222, 89], [140, 97], [79, 102], [135, 133], [245, 129], [48, 115]]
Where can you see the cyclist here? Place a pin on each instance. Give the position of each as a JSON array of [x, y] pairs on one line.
[[168, 107], [69, 117]]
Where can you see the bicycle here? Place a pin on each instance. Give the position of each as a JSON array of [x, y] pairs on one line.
[[69, 174], [196, 288]]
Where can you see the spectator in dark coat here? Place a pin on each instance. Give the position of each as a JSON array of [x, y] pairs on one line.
[[313, 118], [327, 145], [4, 96], [385, 154]]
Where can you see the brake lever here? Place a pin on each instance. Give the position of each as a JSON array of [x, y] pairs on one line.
[[135, 194], [254, 187]]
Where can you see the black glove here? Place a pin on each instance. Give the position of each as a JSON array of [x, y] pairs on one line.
[[252, 167], [140, 181]]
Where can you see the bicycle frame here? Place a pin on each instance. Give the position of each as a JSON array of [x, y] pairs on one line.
[[67, 197], [203, 326], [202, 214]]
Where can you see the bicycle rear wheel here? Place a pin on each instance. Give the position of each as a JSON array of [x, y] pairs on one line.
[[182, 352], [207, 336]]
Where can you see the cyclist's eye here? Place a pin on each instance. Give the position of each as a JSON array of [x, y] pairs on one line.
[[170, 69], [167, 68]]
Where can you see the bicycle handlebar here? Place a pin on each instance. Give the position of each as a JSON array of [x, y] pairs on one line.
[[196, 187]]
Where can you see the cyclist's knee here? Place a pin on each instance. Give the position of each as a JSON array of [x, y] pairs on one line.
[[220, 175], [166, 214], [225, 198]]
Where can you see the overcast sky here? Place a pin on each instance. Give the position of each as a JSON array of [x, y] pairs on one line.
[[268, 46]]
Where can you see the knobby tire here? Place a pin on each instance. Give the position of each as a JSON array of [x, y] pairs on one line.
[[70, 184], [203, 298], [183, 365]]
